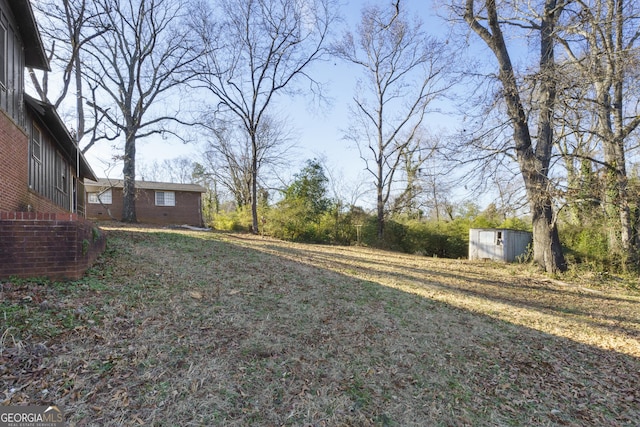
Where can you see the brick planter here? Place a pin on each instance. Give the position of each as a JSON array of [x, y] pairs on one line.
[[52, 245]]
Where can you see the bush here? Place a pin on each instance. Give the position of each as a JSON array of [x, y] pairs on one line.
[[293, 220], [238, 220], [428, 238], [437, 239], [394, 234], [515, 223], [588, 246]]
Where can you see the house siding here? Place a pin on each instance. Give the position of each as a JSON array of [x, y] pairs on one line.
[[12, 93], [44, 172], [15, 194], [39, 237], [187, 209]]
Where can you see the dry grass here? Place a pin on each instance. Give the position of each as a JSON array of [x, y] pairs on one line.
[[192, 328]]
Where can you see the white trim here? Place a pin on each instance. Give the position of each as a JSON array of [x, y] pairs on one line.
[[165, 198], [35, 129], [103, 197]]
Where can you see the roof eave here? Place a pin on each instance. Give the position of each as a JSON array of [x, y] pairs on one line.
[[48, 115], [34, 52], [148, 185]]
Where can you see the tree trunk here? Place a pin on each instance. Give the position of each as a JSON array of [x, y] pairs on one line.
[[380, 202], [129, 186], [547, 250], [79, 100], [626, 227], [380, 216], [533, 161], [254, 184]]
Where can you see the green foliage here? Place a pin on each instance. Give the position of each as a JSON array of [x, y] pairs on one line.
[[587, 246], [515, 223], [306, 214], [342, 226], [291, 220], [436, 239], [429, 238], [310, 190], [238, 220], [394, 236], [483, 222]]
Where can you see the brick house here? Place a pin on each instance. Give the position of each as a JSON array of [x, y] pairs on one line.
[[162, 203], [42, 227]]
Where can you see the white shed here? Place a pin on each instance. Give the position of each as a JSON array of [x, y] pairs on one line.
[[499, 244]]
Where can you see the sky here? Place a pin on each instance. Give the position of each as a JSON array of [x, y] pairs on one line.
[[318, 133]]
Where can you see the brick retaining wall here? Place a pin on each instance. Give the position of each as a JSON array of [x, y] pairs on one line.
[[52, 245]]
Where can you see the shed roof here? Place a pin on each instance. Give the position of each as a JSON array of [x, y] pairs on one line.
[[34, 53], [146, 185], [511, 230], [48, 116]]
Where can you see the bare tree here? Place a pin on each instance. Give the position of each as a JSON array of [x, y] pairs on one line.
[[132, 69], [150, 171], [418, 182], [533, 156], [578, 146], [601, 40], [256, 51], [67, 26], [346, 193], [230, 164], [229, 158], [178, 170], [404, 71]]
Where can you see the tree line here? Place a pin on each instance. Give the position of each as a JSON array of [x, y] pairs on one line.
[[549, 107]]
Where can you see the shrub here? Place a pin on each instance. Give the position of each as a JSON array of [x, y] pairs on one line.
[[587, 246], [393, 238], [238, 220], [515, 223], [437, 239]]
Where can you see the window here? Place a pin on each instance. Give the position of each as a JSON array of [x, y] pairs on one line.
[[103, 197], [36, 143], [3, 57], [61, 173], [165, 198]]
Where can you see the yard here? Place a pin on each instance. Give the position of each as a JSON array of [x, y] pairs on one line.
[[194, 328]]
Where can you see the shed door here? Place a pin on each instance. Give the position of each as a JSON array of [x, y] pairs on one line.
[[488, 246]]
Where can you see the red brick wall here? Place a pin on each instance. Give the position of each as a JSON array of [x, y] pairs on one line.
[[188, 208], [38, 203], [14, 172], [96, 211], [14, 164], [186, 211], [56, 246]]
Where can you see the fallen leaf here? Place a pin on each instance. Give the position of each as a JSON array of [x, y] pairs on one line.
[[195, 294]]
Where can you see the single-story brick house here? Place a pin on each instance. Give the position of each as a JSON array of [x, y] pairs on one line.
[[162, 203], [43, 232]]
